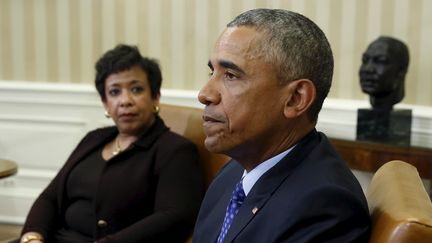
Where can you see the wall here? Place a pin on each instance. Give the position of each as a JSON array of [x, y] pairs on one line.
[[40, 124], [59, 40]]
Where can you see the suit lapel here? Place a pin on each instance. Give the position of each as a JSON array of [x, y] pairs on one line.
[[218, 214], [268, 184], [97, 138], [214, 207], [89, 145], [247, 212]]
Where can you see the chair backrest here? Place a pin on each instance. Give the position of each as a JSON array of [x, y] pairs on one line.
[[187, 121], [400, 207]]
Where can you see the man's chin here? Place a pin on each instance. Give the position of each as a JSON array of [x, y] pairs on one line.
[[214, 145]]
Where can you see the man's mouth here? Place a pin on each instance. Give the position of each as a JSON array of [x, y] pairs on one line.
[[209, 119]]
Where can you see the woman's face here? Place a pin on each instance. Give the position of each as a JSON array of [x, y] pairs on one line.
[[129, 101]]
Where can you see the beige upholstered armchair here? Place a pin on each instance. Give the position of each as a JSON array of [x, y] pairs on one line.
[[188, 122], [400, 206]]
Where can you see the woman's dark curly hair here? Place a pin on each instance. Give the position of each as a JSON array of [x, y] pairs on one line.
[[122, 58]]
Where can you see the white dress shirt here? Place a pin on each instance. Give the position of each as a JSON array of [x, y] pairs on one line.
[[249, 179]]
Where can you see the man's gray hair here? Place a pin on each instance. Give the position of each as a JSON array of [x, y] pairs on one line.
[[296, 46]]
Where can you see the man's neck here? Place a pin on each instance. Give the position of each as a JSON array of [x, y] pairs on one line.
[[255, 154]]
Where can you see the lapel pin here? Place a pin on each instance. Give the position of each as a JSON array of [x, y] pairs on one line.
[[254, 210]]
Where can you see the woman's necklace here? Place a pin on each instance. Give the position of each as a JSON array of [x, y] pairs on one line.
[[117, 149]]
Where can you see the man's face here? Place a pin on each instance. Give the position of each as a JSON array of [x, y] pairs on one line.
[[244, 102], [379, 72]]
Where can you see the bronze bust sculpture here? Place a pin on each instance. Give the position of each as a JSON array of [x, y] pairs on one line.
[[382, 77], [382, 72]]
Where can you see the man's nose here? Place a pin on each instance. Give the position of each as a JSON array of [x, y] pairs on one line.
[[209, 93]]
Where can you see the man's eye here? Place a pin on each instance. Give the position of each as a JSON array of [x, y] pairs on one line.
[[230, 76]]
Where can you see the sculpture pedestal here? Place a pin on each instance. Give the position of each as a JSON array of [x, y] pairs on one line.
[[384, 126]]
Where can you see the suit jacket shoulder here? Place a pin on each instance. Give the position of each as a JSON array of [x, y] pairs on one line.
[[309, 196]]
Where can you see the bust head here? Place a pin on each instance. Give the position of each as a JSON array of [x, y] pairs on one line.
[[382, 72]]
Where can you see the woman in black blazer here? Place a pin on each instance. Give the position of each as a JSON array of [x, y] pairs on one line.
[[134, 182]]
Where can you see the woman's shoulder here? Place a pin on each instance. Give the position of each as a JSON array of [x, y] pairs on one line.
[[101, 132]]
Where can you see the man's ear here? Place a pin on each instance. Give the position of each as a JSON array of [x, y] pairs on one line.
[[302, 95]]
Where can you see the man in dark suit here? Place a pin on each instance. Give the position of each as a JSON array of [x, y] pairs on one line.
[[270, 73]]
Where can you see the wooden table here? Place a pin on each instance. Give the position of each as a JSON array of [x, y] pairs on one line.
[[7, 168], [369, 156]]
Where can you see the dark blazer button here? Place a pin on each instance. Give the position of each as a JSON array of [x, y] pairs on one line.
[[102, 223]]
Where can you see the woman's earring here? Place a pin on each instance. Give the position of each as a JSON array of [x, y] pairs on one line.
[[156, 109], [107, 115]]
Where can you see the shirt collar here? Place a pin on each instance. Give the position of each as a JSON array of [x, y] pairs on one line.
[[249, 179]]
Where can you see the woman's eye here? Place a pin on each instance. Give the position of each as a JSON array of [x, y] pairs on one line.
[[113, 92], [137, 89]]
